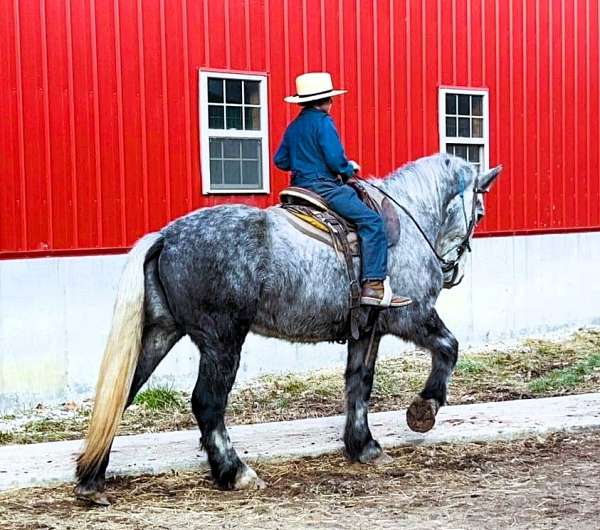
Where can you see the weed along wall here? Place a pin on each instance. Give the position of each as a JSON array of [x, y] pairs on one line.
[[55, 315]]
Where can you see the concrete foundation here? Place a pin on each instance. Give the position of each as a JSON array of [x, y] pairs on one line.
[[55, 314]]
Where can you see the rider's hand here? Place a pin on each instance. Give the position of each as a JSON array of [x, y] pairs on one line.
[[354, 166]]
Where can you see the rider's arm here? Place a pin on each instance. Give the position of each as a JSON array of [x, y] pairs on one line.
[[333, 150], [282, 156]]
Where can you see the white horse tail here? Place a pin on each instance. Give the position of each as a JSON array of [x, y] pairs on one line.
[[120, 357]]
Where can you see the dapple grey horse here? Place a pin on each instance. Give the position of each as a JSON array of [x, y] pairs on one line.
[[218, 273]]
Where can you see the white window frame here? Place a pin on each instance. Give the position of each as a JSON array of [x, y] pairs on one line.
[[206, 133], [445, 140]]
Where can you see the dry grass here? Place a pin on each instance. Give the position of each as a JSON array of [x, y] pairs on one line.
[[535, 369], [537, 483]]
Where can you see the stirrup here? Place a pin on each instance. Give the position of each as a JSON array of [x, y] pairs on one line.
[[388, 299]]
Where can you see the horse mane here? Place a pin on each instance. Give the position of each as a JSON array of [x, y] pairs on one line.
[[427, 181]]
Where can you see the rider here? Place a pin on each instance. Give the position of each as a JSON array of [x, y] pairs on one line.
[[312, 151]]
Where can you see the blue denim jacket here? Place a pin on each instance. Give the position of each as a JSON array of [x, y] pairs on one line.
[[311, 146]]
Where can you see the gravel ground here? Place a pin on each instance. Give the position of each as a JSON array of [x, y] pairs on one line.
[[551, 482]]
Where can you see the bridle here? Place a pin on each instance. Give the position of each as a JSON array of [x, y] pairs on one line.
[[446, 265]]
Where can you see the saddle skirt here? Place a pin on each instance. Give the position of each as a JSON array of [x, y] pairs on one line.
[[309, 213]]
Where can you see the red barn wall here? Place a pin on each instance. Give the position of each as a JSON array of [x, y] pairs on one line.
[[99, 132]]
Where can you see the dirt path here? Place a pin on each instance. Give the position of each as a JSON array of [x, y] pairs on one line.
[[542, 483]]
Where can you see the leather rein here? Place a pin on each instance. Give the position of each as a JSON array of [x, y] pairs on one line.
[[464, 246]]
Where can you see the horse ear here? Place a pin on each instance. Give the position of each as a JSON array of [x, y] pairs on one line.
[[487, 179]]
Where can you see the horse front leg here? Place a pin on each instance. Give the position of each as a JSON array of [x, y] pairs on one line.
[[360, 370], [434, 336]]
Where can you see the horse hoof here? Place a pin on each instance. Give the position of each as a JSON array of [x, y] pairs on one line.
[[373, 454], [420, 416], [91, 496], [247, 479]]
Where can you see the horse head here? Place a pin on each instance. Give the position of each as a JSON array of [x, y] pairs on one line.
[[464, 210]]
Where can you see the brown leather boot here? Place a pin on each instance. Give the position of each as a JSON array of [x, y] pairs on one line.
[[374, 293]]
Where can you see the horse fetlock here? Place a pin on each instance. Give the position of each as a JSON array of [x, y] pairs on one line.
[[247, 479], [421, 414]]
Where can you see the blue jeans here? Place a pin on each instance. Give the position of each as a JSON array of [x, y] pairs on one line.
[[343, 200]]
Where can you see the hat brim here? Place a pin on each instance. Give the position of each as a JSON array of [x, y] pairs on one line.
[[304, 99]]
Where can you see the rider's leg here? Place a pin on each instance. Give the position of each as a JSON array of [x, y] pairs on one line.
[[344, 200]]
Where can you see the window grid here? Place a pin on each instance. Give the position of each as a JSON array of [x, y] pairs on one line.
[[463, 124], [224, 166], [472, 153], [219, 110], [233, 112]]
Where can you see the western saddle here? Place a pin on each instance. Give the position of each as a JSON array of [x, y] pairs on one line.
[[309, 213]]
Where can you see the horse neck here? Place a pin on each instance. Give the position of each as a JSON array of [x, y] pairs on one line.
[[423, 197]]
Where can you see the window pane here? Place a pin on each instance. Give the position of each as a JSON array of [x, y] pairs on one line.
[[234, 117], [477, 124], [250, 172], [461, 150], [474, 152], [252, 116], [231, 148], [463, 104], [251, 149], [477, 105], [232, 172], [464, 127], [450, 126], [252, 92], [215, 90], [233, 91], [216, 146], [215, 117], [450, 149], [216, 171], [450, 103]]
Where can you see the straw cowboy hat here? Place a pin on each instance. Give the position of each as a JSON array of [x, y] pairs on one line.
[[312, 86]]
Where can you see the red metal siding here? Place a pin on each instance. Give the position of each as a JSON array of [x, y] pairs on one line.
[[99, 141]]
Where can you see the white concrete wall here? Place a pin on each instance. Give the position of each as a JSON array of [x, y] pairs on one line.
[[55, 313]]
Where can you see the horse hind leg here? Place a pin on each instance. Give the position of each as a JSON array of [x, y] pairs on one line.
[[219, 360], [435, 337], [160, 334]]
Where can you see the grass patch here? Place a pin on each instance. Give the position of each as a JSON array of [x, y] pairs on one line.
[[534, 369], [566, 378], [6, 438], [159, 398], [470, 365], [46, 430]]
